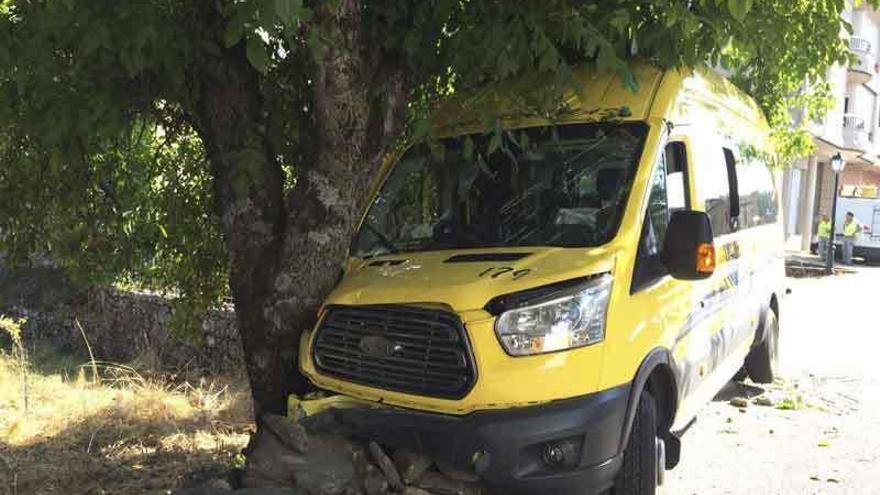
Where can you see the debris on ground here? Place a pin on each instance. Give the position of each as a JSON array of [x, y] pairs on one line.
[[317, 456], [286, 456], [739, 402], [791, 403], [212, 488], [411, 465], [387, 467]]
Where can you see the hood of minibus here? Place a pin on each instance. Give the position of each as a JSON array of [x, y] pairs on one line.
[[464, 280]]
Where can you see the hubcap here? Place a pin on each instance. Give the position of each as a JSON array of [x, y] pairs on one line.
[[773, 347], [661, 460]]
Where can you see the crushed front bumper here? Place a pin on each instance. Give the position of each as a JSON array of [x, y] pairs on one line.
[[567, 446]]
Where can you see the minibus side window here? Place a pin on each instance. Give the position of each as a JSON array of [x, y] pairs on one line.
[[757, 197], [668, 193], [713, 186], [733, 183], [676, 176]]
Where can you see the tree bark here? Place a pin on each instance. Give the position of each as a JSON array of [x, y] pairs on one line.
[[357, 118], [287, 254], [249, 191]]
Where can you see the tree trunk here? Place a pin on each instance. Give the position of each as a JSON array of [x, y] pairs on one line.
[[249, 191], [286, 255], [356, 121]]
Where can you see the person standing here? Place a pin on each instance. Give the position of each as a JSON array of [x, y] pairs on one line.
[[824, 233], [851, 228]]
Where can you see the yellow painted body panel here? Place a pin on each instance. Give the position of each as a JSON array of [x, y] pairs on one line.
[[424, 279], [702, 106]]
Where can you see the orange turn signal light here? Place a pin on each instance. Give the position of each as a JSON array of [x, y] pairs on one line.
[[705, 258]]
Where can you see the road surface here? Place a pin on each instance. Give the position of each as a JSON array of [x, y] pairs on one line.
[[822, 433]]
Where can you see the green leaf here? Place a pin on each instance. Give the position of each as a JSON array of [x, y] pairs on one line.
[[421, 128], [257, 55], [739, 8], [234, 31], [607, 58], [288, 11], [620, 20], [629, 79]]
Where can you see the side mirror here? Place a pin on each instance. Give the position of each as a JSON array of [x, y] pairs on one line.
[[688, 249]]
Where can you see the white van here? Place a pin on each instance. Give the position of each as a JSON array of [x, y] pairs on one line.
[[867, 213]]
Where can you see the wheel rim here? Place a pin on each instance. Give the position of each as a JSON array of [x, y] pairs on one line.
[[773, 345], [661, 460]]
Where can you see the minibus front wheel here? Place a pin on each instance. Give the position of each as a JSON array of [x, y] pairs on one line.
[[644, 456]]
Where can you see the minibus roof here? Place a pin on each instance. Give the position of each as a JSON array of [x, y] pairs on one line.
[[592, 95]]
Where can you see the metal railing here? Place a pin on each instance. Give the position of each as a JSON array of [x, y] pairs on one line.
[[858, 44], [855, 132], [854, 122], [865, 60]]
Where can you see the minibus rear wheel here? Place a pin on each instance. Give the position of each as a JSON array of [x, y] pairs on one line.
[[763, 360], [643, 459]]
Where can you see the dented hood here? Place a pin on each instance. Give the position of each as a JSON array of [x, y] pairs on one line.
[[463, 280]]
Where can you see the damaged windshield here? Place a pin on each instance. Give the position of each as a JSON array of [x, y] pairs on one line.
[[544, 186]]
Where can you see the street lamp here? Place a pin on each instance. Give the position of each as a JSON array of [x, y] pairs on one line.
[[837, 165]]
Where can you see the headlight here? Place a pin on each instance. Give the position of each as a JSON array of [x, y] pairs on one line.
[[574, 318]]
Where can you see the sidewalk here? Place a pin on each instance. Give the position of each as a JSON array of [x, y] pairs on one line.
[[805, 264]]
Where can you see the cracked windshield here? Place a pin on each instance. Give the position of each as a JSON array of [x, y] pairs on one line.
[[544, 186]]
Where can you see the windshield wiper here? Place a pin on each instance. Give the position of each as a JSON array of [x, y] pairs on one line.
[[385, 241]]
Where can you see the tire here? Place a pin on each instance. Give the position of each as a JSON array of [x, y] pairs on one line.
[[640, 473], [762, 363], [741, 374]]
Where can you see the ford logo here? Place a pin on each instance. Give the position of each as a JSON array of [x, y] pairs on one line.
[[377, 346]]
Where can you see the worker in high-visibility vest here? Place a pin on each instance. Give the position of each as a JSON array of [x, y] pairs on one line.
[[824, 233], [851, 228]]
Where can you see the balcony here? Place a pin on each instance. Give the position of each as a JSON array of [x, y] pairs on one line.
[[855, 133], [864, 67]]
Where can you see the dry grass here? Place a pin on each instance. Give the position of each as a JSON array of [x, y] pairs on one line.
[[121, 433]]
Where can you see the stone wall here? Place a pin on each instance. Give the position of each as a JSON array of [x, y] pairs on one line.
[[120, 326]]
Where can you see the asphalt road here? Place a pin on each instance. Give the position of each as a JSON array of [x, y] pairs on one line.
[[821, 435]]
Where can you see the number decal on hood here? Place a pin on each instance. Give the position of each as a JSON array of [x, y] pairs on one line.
[[497, 271]]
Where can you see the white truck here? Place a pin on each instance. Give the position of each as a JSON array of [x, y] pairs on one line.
[[867, 213]]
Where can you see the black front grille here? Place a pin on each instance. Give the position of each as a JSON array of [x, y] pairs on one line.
[[401, 348]]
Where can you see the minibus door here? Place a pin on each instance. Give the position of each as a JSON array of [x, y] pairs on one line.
[[720, 309], [674, 304]]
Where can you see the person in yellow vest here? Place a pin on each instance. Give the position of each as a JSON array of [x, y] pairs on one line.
[[851, 229], [824, 233]]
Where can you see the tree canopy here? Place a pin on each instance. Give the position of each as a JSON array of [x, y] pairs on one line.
[[196, 145]]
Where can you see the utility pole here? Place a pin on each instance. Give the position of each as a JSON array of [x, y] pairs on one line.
[[837, 165]]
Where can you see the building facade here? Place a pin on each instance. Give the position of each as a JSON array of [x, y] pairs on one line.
[[851, 128]]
